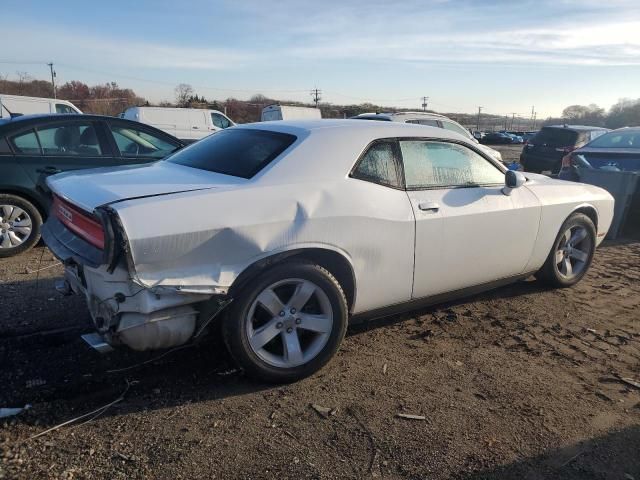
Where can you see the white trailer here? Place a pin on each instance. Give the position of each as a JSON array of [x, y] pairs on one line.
[[287, 112]]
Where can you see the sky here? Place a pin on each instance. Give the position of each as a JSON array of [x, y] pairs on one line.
[[506, 56]]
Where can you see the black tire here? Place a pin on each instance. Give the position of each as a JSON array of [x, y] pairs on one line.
[[36, 224], [234, 328], [550, 272]]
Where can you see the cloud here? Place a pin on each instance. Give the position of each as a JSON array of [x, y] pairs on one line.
[[84, 49]]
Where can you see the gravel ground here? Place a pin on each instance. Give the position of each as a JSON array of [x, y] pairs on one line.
[[522, 382]]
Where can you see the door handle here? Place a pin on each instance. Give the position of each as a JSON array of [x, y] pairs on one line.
[[49, 170], [429, 206], [196, 128]]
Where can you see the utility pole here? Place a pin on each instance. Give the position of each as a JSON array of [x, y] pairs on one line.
[[425, 102], [53, 76], [513, 117], [535, 114], [315, 94], [478, 120], [532, 114]]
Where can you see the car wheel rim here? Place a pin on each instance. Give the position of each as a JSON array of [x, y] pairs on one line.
[[15, 226], [573, 252], [289, 323]]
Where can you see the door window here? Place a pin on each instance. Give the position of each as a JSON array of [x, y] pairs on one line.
[[62, 108], [441, 164], [139, 143], [380, 165], [26, 143], [76, 139], [220, 121]]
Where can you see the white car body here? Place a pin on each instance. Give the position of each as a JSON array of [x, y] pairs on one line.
[[189, 235], [17, 104], [289, 112], [189, 124], [431, 120]]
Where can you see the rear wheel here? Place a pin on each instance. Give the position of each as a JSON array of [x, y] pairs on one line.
[[286, 324], [20, 224], [572, 252]]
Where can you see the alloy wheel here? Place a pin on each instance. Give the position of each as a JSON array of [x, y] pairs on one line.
[[573, 252], [15, 226], [289, 323]]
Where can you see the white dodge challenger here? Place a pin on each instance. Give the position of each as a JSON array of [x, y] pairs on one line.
[[281, 232]]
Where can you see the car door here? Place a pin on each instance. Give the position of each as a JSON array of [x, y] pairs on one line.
[[134, 143], [468, 232], [60, 146]]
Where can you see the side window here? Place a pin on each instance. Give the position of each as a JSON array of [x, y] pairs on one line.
[[62, 108], [380, 165], [220, 121], [76, 139], [26, 143], [138, 143], [455, 128], [441, 164]]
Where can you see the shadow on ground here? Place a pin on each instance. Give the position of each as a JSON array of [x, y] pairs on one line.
[[612, 456]]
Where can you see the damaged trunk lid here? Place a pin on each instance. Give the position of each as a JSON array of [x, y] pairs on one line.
[[90, 189]]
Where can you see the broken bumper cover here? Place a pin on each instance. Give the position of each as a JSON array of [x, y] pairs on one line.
[[123, 312], [67, 246]]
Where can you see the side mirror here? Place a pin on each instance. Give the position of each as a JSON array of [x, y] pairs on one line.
[[513, 179]]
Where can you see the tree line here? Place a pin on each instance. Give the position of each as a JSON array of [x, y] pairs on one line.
[[625, 113], [111, 99]]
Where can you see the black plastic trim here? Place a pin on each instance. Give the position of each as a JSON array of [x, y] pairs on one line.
[[423, 302]]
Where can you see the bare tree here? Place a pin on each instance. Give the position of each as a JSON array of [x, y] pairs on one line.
[[183, 92]]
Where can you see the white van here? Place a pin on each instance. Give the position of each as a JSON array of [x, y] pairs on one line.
[[17, 104], [188, 124], [286, 112]]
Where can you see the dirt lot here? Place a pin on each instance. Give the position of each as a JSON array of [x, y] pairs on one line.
[[522, 382]]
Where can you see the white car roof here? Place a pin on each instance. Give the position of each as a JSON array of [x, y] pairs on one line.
[[338, 127], [327, 149]]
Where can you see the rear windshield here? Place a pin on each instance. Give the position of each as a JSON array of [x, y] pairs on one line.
[[556, 137], [622, 139], [235, 151]]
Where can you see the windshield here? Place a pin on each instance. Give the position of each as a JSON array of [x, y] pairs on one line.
[[618, 139], [238, 152]]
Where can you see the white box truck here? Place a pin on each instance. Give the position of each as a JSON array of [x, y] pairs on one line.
[[188, 124], [287, 112], [19, 105]]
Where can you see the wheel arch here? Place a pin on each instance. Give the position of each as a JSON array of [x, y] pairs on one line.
[[333, 260], [588, 210]]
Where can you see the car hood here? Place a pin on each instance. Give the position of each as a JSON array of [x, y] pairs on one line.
[[89, 189]]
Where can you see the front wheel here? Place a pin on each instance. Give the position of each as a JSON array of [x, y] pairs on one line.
[[287, 323], [20, 223], [572, 252]]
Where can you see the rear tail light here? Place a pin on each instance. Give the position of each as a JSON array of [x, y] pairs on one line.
[[79, 222]]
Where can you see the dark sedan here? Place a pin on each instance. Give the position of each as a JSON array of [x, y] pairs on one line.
[[33, 147], [617, 151], [496, 138]]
